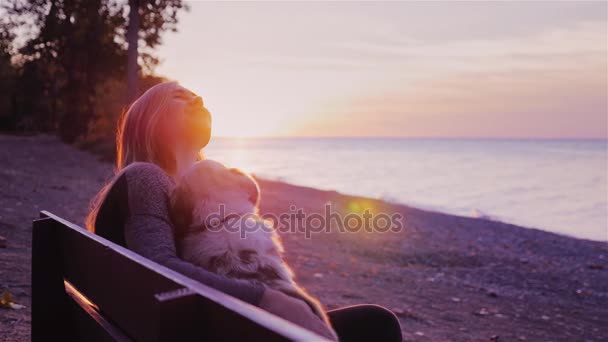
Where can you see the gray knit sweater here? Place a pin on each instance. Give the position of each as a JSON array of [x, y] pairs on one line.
[[135, 214]]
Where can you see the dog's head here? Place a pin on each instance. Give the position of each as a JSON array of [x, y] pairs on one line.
[[206, 187]]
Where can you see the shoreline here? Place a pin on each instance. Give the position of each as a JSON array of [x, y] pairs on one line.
[[421, 207], [552, 186], [446, 277]]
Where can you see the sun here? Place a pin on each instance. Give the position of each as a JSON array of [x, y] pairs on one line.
[[246, 123], [238, 127]]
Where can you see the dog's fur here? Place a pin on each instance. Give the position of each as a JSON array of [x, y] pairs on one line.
[[254, 256]]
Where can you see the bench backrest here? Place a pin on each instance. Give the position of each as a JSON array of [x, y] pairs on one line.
[[85, 287]]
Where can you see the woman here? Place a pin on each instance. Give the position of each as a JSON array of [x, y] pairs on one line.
[[165, 129]]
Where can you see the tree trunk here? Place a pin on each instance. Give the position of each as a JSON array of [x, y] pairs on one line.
[[132, 37]]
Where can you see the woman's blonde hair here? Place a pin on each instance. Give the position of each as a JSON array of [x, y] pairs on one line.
[[144, 135]]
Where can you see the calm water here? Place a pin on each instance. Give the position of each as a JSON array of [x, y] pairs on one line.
[[556, 185]]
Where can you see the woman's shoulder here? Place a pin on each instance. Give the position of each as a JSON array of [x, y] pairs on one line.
[[144, 175], [148, 189]]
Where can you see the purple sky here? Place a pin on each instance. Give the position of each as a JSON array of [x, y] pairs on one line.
[[434, 69]]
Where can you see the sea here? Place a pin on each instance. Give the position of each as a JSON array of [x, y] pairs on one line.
[[559, 186]]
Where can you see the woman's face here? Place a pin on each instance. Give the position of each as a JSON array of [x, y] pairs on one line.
[[194, 122]]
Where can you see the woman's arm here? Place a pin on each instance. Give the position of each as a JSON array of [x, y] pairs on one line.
[[148, 236], [149, 231]]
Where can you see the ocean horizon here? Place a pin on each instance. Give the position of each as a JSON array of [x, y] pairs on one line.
[[557, 185]]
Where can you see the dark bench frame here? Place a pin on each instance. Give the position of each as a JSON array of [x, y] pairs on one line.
[[85, 287]]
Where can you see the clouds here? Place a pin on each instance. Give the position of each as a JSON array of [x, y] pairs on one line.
[[423, 69]]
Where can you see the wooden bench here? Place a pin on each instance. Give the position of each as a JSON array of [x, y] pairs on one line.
[[87, 288]]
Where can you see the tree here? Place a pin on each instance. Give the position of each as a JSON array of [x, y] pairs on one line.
[[133, 39], [71, 47], [146, 24], [8, 75]]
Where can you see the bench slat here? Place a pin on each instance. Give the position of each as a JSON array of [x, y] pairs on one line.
[[145, 300], [88, 324], [49, 300], [180, 317]]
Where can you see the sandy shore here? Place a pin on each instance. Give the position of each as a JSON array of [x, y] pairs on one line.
[[446, 277]]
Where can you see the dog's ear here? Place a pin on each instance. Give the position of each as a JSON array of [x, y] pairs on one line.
[[253, 189], [249, 185], [254, 194], [182, 207]]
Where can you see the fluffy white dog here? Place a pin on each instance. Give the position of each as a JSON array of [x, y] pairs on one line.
[[235, 241]]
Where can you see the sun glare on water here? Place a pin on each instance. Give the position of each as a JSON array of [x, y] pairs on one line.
[[238, 155]]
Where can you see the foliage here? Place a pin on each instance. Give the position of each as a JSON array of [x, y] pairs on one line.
[[101, 131], [8, 76], [60, 56]]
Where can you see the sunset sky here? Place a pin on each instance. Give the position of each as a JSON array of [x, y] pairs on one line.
[[412, 69]]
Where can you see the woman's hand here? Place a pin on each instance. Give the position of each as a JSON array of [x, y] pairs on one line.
[[295, 311]]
